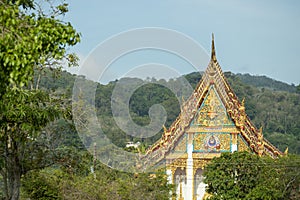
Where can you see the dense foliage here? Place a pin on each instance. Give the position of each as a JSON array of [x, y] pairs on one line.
[[29, 39], [266, 82], [39, 146], [276, 110], [105, 184], [242, 175]]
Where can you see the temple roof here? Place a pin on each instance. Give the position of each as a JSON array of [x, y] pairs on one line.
[[235, 108]]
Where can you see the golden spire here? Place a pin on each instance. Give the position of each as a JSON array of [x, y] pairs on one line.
[[242, 106], [260, 136], [165, 129], [182, 99], [213, 51], [286, 151], [243, 102]]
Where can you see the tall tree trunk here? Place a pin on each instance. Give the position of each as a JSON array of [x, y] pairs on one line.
[[4, 171], [5, 188], [14, 180], [13, 170]]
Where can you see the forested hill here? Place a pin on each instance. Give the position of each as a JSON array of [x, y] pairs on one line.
[[271, 104], [256, 81], [266, 82]]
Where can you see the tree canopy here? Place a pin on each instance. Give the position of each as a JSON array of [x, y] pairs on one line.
[[276, 109], [31, 38], [243, 175], [45, 154]]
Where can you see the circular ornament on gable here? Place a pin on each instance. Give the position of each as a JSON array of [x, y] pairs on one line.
[[212, 143]]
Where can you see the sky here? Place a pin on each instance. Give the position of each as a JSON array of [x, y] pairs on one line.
[[259, 37]]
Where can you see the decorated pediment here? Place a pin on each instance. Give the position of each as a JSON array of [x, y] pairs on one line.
[[212, 126], [212, 120], [212, 142], [212, 112]]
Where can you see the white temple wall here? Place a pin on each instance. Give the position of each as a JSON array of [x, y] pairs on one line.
[[199, 185]]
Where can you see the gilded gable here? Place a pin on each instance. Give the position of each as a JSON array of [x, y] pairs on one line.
[[212, 111]]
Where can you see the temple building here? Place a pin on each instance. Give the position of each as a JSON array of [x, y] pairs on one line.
[[212, 121]]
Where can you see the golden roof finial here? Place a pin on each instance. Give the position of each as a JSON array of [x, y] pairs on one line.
[[213, 51], [165, 129], [260, 132], [260, 135], [242, 106], [286, 151]]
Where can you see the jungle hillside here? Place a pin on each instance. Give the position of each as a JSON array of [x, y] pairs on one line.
[[270, 104]]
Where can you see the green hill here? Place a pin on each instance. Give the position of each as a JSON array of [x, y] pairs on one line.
[[269, 103], [266, 82]]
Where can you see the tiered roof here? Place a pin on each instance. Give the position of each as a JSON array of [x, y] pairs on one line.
[[235, 109]]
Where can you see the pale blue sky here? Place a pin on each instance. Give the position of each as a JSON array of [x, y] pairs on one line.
[[252, 36]]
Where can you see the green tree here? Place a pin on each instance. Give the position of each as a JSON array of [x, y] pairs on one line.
[[31, 38], [54, 182], [105, 183], [23, 115], [232, 176], [43, 185], [289, 175], [243, 175]]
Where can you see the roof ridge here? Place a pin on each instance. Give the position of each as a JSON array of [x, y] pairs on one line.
[[235, 109]]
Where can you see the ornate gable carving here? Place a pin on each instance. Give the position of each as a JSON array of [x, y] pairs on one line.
[[212, 110]]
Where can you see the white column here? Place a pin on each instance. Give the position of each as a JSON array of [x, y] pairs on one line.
[[170, 179], [189, 170], [169, 176], [233, 148]]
